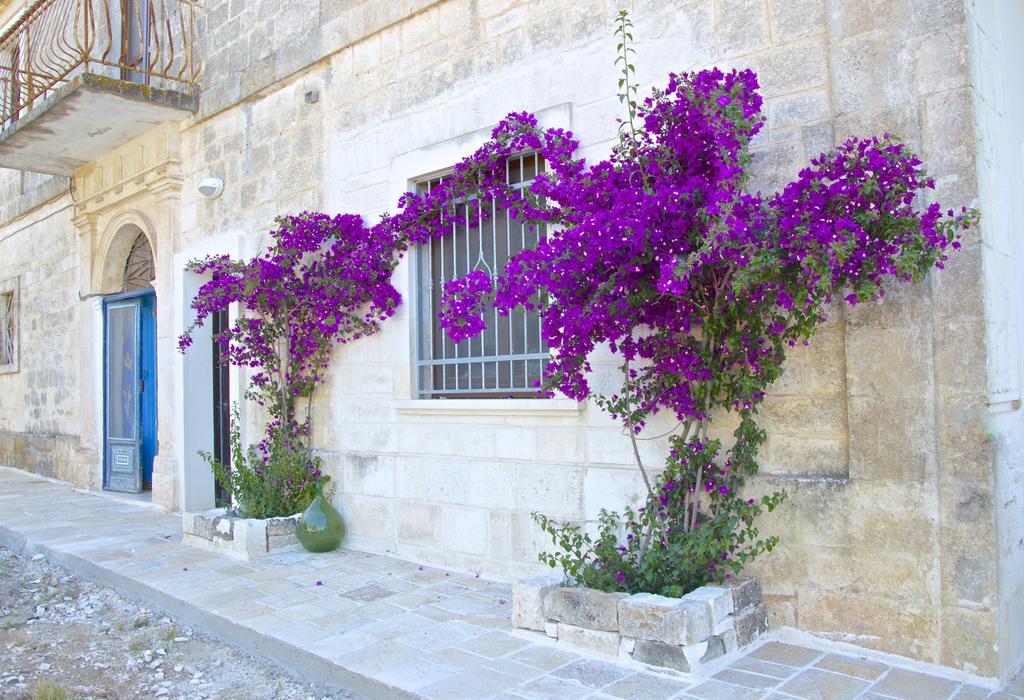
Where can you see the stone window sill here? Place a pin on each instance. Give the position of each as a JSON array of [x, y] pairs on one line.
[[491, 407]]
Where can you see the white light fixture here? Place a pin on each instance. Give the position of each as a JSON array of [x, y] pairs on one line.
[[211, 187]]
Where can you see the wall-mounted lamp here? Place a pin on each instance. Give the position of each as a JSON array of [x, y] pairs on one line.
[[211, 187]]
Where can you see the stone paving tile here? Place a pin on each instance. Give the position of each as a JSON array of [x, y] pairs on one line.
[[513, 668], [436, 633], [910, 685], [380, 609], [765, 668], [301, 634], [972, 693], [555, 688], [338, 646], [368, 594], [415, 598], [244, 610], [716, 690], [474, 683], [1015, 686], [546, 658], [339, 623], [498, 622], [493, 644], [591, 673], [852, 666], [786, 654], [287, 599], [436, 613], [463, 606], [815, 684], [458, 658], [396, 626], [644, 686], [446, 634], [747, 680], [414, 675], [373, 659]]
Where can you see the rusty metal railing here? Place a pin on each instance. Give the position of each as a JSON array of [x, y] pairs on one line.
[[146, 42]]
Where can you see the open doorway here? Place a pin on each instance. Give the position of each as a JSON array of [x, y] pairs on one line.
[[221, 404]]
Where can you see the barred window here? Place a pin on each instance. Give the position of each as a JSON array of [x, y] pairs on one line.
[[9, 325], [509, 357]]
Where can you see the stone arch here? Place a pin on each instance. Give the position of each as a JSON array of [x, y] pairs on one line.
[[115, 245]]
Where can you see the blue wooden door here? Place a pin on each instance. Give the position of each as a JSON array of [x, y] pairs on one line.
[[148, 389], [129, 392]]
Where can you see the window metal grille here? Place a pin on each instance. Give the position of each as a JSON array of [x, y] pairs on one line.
[[509, 357], [139, 271], [8, 331]]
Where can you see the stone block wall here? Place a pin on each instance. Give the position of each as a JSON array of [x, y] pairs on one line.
[[40, 427], [22, 191], [245, 538], [875, 429], [684, 634]]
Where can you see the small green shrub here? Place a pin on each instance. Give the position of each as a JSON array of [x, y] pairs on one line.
[[275, 479]]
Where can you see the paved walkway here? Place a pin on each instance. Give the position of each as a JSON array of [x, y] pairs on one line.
[[386, 627]]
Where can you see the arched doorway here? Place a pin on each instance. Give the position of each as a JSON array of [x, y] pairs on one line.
[[129, 370]]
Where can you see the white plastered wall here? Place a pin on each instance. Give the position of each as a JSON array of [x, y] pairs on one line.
[[193, 375], [997, 56]]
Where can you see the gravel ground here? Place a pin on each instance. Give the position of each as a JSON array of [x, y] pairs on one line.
[[64, 637]]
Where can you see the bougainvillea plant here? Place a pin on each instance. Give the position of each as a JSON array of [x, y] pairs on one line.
[[697, 285], [323, 280]]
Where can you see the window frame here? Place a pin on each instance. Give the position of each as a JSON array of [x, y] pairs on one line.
[[10, 287], [423, 340]]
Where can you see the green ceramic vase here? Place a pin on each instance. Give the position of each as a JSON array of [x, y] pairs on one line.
[[320, 528]]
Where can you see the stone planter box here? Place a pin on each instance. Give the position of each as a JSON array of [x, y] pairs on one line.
[[245, 538], [683, 634]]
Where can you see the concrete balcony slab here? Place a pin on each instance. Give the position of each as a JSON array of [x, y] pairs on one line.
[[85, 118]]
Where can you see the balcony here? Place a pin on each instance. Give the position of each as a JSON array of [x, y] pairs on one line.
[[81, 77]]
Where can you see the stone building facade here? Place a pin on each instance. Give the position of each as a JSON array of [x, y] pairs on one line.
[[898, 433]]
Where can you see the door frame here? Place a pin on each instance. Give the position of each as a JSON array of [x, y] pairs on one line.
[[104, 358]]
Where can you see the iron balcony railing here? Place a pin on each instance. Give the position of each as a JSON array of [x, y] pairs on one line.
[[146, 42]]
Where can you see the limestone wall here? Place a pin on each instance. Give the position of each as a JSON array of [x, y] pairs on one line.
[[876, 430], [40, 422], [21, 192]]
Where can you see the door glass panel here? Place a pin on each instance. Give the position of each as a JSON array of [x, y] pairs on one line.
[[122, 346]]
